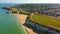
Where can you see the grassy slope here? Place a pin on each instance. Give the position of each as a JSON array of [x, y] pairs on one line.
[[46, 21], [17, 10]]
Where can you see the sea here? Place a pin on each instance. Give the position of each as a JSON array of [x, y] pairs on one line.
[[9, 24]]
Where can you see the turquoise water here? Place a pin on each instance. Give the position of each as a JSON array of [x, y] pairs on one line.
[[9, 24]]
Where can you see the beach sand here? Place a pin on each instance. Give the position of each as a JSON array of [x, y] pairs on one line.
[[22, 19]]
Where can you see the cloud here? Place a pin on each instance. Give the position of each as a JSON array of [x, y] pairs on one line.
[[29, 1]]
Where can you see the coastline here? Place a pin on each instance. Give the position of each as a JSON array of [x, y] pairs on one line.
[[22, 18]]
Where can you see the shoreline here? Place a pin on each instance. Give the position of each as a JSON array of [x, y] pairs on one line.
[[22, 18]]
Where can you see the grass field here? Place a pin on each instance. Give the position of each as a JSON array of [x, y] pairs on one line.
[[21, 11], [45, 20]]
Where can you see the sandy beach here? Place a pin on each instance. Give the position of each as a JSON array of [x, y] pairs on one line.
[[22, 19]]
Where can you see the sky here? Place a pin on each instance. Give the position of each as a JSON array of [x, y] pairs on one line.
[[29, 1]]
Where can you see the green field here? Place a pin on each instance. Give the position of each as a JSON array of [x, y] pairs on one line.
[[45, 20], [9, 24], [17, 10]]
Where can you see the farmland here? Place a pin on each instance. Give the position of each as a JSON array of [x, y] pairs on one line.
[[45, 20]]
